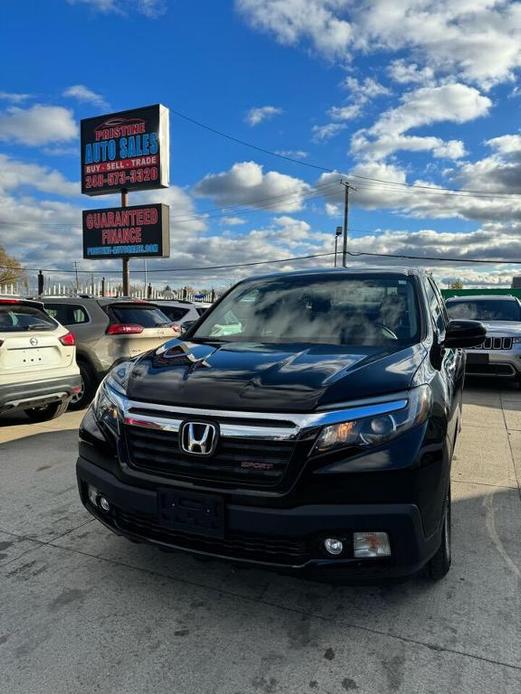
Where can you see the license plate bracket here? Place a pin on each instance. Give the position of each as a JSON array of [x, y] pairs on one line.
[[191, 512]]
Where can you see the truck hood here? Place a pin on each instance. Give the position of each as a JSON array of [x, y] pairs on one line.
[[276, 378]]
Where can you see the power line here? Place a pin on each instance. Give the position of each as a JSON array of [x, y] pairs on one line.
[[183, 269], [323, 190], [328, 169], [436, 259], [250, 144], [402, 256]]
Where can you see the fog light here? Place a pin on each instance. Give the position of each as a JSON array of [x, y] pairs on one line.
[[104, 504], [367, 545], [93, 495], [333, 546]]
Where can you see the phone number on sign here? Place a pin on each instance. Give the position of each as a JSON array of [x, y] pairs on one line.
[[122, 178]]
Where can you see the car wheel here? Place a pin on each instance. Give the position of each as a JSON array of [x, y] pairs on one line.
[[88, 385], [439, 565], [44, 414]]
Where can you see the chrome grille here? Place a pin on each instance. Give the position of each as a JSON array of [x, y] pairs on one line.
[[253, 448], [235, 460], [491, 343]]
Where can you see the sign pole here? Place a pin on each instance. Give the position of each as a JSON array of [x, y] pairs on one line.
[[125, 270]]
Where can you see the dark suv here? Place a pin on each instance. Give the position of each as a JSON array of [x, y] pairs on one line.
[[307, 421]]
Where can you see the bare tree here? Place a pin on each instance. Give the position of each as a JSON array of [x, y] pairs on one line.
[[10, 268]]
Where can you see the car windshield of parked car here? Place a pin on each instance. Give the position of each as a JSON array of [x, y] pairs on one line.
[[485, 309], [24, 318], [359, 310]]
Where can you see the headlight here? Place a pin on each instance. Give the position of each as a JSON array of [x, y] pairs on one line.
[[106, 408], [516, 340], [379, 428], [107, 404], [117, 377]]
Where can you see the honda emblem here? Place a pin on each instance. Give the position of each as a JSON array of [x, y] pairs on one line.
[[198, 438]]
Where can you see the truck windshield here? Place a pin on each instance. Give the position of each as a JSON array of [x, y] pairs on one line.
[[370, 310], [485, 309]]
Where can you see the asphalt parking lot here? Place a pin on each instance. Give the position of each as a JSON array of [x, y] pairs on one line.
[[82, 610]]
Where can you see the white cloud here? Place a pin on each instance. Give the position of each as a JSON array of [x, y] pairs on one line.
[[506, 144], [247, 184], [332, 210], [323, 133], [232, 221], [48, 233], [16, 174], [261, 113], [472, 40], [149, 8], [292, 153], [83, 94], [152, 8], [345, 112], [101, 5], [421, 107], [37, 125], [360, 94], [366, 89], [292, 20], [13, 97], [499, 172], [410, 73], [390, 190]]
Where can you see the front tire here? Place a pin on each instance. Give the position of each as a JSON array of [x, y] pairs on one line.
[[439, 565], [47, 412]]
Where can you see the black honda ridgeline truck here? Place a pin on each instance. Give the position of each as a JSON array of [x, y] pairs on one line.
[[306, 422]]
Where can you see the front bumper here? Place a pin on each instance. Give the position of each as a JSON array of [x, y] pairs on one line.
[[282, 538], [501, 363], [37, 393]]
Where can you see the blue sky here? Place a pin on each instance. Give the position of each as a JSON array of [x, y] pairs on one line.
[[418, 92]]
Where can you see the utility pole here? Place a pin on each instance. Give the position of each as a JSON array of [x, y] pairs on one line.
[[125, 271], [347, 188], [77, 280], [338, 233]]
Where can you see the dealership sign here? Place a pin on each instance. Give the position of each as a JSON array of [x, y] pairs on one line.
[[117, 232], [126, 150]]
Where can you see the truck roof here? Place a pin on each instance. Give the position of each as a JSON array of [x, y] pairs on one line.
[[315, 272]]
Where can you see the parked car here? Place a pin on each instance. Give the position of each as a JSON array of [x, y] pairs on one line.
[[202, 307], [179, 312], [38, 370], [316, 435], [106, 330], [499, 354]]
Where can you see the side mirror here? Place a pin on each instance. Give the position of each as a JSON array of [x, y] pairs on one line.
[[464, 333]]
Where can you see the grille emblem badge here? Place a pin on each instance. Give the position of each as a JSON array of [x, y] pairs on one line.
[[198, 438]]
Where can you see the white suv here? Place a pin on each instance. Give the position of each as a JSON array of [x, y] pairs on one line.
[[38, 370]]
